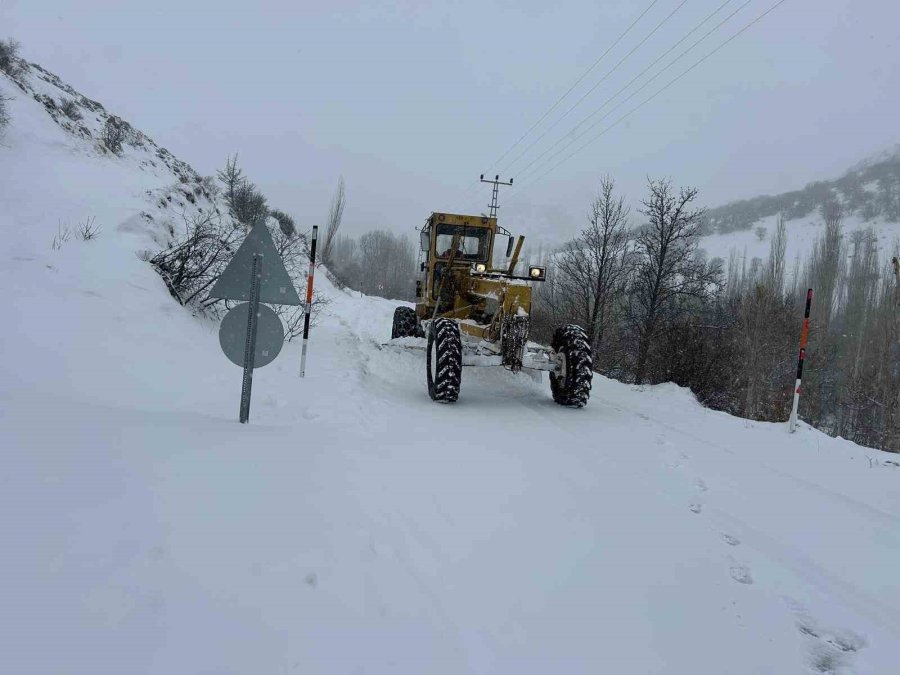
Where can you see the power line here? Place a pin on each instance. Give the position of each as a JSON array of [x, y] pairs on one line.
[[577, 82], [634, 79], [657, 93], [596, 84], [638, 76], [569, 90]]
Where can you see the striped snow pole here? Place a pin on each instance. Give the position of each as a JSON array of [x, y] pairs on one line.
[[895, 261], [309, 297], [804, 337]]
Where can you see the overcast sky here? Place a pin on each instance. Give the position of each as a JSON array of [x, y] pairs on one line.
[[410, 101]]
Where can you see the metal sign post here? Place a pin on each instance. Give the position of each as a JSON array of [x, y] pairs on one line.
[[309, 297], [251, 334], [804, 337], [250, 345]]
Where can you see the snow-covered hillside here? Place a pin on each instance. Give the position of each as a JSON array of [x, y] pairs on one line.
[[356, 527], [867, 192], [802, 234], [57, 170]]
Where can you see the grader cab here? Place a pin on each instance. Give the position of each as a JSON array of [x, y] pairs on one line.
[[475, 312]]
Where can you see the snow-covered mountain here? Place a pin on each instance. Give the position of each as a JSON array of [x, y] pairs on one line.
[[869, 193], [355, 526]]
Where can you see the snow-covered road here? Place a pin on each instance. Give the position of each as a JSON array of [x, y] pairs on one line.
[[355, 526]]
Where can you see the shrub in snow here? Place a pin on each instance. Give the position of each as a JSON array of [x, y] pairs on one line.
[[88, 230], [70, 109], [10, 62], [114, 133], [63, 234], [285, 223], [4, 114], [191, 266], [248, 204]]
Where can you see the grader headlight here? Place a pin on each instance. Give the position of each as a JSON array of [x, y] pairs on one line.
[[537, 273], [479, 268]]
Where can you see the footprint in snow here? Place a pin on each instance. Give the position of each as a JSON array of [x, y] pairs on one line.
[[701, 485], [741, 574], [696, 507], [731, 541], [830, 649]]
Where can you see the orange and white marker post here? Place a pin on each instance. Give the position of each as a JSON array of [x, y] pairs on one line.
[[309, 297], [804, 338]]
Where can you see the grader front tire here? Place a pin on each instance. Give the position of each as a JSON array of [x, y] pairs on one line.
[[444, 361], [571, 386]]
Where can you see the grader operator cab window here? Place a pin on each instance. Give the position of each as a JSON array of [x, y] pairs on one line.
[[473, 242]]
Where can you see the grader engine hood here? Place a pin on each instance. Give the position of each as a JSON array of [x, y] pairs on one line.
[[497, 294]]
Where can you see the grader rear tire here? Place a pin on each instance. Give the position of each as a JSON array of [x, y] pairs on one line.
[[444, 361], [405, 323], [572, 386]]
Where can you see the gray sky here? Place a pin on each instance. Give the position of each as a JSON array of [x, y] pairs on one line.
[[410, 101]]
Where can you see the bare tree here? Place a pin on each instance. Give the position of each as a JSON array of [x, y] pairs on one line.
[[591, 269], [826, 267], [231, 178], [895, 264], [775, 270], [387, 264], [668, 270], [335, 215], [760, 233], [247, 204], [378, 263]]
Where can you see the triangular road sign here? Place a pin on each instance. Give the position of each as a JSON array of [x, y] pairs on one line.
[[275, 283]]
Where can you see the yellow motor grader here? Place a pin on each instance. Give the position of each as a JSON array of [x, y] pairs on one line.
[[476, 314]]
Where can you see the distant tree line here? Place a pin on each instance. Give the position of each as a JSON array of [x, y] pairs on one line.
[[657, 310], [375, 263], [378, 262]]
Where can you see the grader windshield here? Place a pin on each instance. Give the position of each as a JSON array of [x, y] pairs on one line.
[[473, 241]]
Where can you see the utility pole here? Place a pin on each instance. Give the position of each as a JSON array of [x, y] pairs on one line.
[[496, 183]]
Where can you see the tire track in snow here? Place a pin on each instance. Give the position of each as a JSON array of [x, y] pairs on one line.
[[860, 507], [865, 604]]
